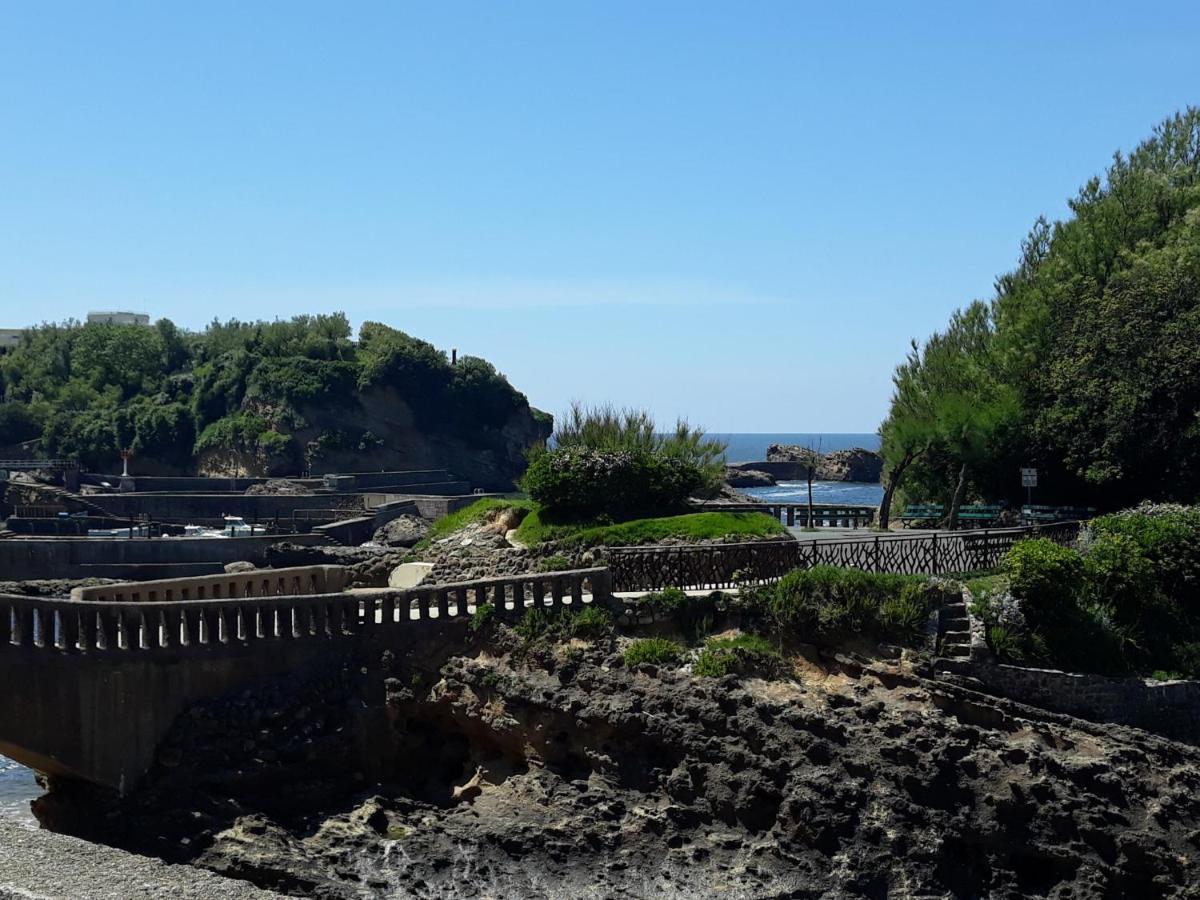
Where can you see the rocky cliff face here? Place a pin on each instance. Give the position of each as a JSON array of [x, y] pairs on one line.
[[489, 458], [856, 464], [376, 430]]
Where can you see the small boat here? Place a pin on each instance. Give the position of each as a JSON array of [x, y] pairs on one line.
[[235, 526]]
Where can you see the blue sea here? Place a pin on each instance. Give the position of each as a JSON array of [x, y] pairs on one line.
[[17, 788]]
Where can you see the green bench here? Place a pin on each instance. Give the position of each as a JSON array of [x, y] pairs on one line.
[[1041, 515], [983, 514], [922, 512]]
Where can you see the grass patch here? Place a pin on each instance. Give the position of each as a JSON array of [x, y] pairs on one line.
[[692, 526], [479, 511], [482, 617], [986, 584], [589, 623], [746, 653], [830, 604], [656, 651]]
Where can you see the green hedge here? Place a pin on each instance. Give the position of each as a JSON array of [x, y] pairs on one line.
[[583, 483], [1128, 602]]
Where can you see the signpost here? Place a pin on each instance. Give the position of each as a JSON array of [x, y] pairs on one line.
[[1029, 482]]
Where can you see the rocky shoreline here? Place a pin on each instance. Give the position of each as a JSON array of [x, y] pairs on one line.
[[550, 768], [48, 866]]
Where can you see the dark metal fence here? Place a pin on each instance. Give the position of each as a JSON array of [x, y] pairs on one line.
[[717, 566]]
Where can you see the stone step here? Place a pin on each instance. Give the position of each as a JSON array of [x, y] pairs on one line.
[[955, 622], [957, 637], [956, 650]]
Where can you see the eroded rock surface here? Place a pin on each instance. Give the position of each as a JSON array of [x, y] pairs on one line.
[[510, 770], [403, 531]]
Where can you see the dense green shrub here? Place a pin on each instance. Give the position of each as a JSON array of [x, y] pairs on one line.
[[615, 430], [18, 423], [655, 651], [1046, 578], [76, 387], [297, 380], [1116, 572], [829, 603], [1168, 535], [1114, 608], [906, 616], [582, 483]]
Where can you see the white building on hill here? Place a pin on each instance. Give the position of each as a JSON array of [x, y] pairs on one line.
[[118, 317]]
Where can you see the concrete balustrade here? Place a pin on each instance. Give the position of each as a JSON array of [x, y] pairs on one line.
[[97, 683], [296, 581]]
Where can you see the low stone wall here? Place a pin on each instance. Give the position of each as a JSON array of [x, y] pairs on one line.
[[431, 507], [206, 509], [1170, 708], [297, 581]]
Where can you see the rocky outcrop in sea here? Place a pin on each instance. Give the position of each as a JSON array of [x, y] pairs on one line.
[[855, 464]]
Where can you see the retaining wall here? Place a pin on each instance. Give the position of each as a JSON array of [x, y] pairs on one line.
[[429, 507], [23, 559], [1170, 708], [201, 509]]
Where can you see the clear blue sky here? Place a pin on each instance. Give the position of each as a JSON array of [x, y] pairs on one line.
[[740, 212]]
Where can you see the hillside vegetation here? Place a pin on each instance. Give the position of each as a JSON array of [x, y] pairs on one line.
[[259, 397], [1086, 361]]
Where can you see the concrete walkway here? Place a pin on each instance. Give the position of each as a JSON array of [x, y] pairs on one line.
[[42, 865], [860, 534]]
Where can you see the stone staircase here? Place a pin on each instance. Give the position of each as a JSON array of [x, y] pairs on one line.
[[954, 631]]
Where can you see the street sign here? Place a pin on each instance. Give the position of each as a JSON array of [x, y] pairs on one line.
[[1029, 478]]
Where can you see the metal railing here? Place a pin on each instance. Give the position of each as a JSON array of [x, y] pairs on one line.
[[720, 566]]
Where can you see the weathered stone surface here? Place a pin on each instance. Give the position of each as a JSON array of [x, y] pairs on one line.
[[740, 478], [856, 464], [536, 771], [279, 486], [241, 566], [403, 531], [53, 587]]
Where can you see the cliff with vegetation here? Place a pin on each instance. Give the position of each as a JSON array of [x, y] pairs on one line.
[[1084, 364], [263, 398]]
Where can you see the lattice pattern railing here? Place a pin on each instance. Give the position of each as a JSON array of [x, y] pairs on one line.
[[203, 626], [718, 566]]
